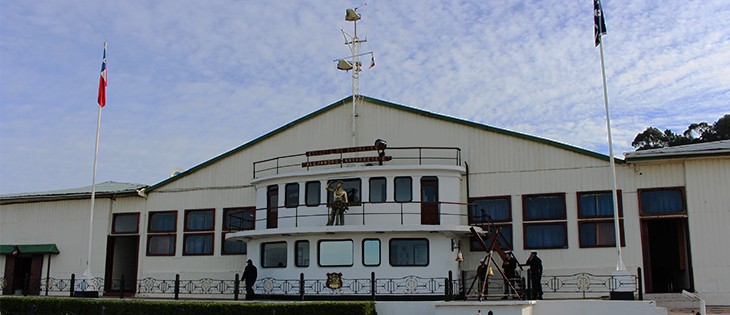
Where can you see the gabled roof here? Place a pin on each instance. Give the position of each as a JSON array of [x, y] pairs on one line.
[[386, 104], [103, 190], [715, 148]]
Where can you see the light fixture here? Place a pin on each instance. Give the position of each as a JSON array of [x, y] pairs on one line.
[[380, 145], [343, 64], [352, 15]]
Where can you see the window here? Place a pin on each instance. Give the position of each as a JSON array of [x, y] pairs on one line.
[[352, 186], [313, 196], [662, 201], [403, 189], [125, 223], [301, 253], [377, 189], [336, 253], [273, 255], [497, 210], [272, 207], [550, 230], [371, 252], [408, 252], [291, 199], [161, 237], [194, 241], [236, 219], [595, 219]]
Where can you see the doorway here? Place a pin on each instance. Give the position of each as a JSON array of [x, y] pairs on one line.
[[23, 274], [430, 200], [121, 263], [667, 261]]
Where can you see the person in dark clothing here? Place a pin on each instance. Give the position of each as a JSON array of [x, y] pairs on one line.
[[535, 264], [249, 276], [509, 266], [482, 275]]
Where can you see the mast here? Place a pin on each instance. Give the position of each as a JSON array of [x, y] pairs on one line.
[[353, 63]]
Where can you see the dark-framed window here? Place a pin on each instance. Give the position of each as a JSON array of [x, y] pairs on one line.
[[125, 223], [498, 209], [403, 189], [162, 221], [659, 201], [273, 255], [199, 220], [301, 253], [545, 235], [198, 244], [162, 233], [237, 219], [161, 245], [335, 253], [233, 247], [291, 198], [378, 188], [353, 187], [595, 219], [199, 227], [313, 194], [272, 207], [408, 252], [545, 219], [371, 252]]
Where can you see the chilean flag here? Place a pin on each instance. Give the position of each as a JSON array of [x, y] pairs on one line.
[[102, 81]]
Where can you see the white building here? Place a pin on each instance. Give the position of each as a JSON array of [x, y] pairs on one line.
[[407, 218]]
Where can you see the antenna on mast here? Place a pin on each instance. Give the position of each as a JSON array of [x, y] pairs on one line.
[[353, 63]]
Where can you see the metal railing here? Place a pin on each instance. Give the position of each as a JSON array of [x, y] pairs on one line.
[[337, 159], [584, 285]]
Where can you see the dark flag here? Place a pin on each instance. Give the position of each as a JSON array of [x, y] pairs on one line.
[[599, 24]]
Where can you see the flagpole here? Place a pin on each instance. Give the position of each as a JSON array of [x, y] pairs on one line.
[[87, 272], [620, 263]]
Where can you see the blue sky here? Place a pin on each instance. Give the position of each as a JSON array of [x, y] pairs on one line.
[[189, 80]]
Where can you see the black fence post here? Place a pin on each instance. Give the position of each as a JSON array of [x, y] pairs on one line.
[[373, 287], [301, 286], [449, 286], [177, 286], [640, 283], [121, 288], [73, 284], [236, 287]]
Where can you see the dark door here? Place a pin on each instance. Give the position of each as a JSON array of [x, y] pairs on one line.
[[272, 207], [430, 201], [666, 253], [121, 262], [23, 274]]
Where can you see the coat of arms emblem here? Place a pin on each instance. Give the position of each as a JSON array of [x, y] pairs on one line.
[[334, 280]]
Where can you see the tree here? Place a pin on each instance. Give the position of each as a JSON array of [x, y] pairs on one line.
[[701, 132], [651, 138]]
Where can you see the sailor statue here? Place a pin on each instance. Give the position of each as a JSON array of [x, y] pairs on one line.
[[339, 203]]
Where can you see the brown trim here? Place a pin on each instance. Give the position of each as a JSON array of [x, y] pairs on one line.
[[525, 197], [212, 220], [509, 208], [684, 201], [430, 209], [272, 211], [524, 232], [223, 246], [174, 244], [114, 223], [212, 244], [621, 227], [619, 196], [149, 221]]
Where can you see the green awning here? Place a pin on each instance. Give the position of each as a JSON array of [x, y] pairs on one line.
[[30, 249]]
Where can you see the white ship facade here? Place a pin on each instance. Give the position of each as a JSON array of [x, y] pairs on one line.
[[406, 220]]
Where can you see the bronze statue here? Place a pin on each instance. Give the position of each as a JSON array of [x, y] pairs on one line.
[[339, 204]]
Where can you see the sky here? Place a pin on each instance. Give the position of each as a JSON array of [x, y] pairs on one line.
[[189, 80]]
